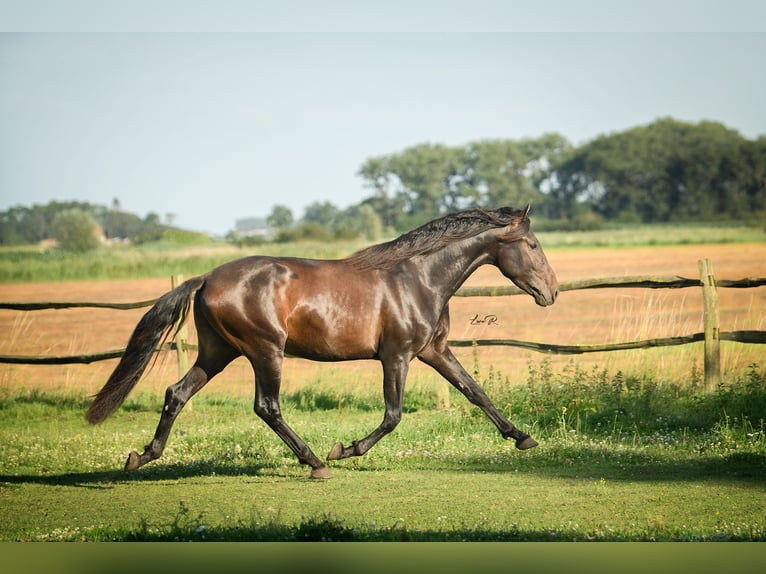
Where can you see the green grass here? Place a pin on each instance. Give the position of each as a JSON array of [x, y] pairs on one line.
[[162, 260], [620, 458], [145, 261]]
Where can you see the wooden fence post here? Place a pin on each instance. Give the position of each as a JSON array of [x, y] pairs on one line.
[[181, 340], [711, 324]]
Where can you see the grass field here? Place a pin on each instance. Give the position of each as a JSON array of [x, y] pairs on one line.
[[618, 460], [632, 446]]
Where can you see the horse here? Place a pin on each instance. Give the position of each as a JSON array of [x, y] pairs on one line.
[[388, 302]]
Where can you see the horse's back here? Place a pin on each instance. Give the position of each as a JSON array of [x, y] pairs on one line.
[[323, 310]]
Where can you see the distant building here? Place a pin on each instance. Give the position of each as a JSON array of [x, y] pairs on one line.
[[250, 226]]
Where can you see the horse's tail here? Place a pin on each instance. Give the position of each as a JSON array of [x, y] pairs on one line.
[[155, 326]]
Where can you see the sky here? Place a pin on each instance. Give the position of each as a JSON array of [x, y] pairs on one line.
[[217, 114]]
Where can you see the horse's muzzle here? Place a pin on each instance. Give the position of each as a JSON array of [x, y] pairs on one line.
[[544, 298]]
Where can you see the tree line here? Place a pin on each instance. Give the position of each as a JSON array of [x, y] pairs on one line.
[[666, 171], [78, 225]]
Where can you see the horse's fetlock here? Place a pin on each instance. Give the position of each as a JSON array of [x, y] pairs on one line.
[[152, 451], [391, 420], [513, 433]]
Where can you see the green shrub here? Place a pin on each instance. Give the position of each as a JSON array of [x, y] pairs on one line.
[[76, 231]]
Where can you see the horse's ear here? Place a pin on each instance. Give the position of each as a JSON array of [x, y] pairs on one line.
[[517, 229], [525, 213]]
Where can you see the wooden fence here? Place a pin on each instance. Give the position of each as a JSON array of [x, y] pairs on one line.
[[712, 335]]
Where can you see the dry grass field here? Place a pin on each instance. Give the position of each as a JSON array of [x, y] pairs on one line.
[[578, 317]]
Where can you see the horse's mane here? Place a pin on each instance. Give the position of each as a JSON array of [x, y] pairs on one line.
[[435, 235]]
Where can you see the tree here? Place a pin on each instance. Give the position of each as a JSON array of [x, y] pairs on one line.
[[665, 171], [370, 224], [377, 175], [324, 213], [756, 189], [151, 229], [280, 217], [427, 180], [11, 226], [360, 220], [512, 172], [75, 230], [430, 177]]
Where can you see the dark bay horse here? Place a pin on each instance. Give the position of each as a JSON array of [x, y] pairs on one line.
[[388, 302]]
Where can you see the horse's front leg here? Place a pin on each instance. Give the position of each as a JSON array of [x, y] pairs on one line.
[[441, 358], [394, 376], [268, 381]]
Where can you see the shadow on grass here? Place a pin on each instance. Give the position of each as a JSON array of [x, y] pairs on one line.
[[161, 472], [575, 462], [594, 463]]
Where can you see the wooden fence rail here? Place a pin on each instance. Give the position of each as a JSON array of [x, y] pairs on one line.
[[39, 306], [711, 336], [644, 282], [738, 336]]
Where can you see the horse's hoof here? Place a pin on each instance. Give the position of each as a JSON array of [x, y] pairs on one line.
[[321, 472], [132, 463], [336, 452], [526, 443]]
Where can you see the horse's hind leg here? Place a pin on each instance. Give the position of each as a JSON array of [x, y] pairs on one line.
[[176, 396], [213, 356]]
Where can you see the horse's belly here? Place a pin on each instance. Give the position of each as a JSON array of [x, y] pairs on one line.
[[340, 339], [322, 348]]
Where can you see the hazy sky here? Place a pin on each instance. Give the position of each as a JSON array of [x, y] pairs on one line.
[[213, 127]]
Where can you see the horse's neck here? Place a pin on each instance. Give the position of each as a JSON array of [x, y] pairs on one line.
[[447, 269]]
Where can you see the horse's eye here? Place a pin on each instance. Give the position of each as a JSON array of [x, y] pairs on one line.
[[533, 245]]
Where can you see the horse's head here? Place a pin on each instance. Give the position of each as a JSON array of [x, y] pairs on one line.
[[520, 257]]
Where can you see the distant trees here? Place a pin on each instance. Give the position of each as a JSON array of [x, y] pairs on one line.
[[662, 172], [20, 225], [429, 180], [665, 171], [26, 225], [323, 221]]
